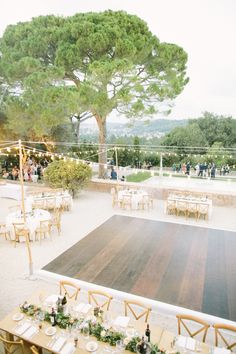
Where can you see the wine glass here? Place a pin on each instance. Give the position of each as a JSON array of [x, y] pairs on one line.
[[86, 331], [41, 317], [120, 346], [107, 320]]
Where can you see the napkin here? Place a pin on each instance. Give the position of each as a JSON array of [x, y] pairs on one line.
[[22, 328], [79, 307], [190, 343], [58, 344], [221, 351], [30, 332], [181, 341], [51, 299], [86, 308], [121, 321], [186, 342], [68, 349]]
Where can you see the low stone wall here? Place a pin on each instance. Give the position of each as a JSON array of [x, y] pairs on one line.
[[219, 198]]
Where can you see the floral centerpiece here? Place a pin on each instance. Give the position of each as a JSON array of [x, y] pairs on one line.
[[96, 329]]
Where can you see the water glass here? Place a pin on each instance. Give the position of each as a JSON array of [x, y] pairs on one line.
[[86, 331], [120, 346]]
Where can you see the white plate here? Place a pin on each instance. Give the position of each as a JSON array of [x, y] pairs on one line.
[[50, 331], [18, 316], [91, 346]]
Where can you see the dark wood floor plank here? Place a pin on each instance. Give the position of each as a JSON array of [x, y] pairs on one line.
[[192, 285], [183, 265], [215, 297], [230, 257], [153, 272]]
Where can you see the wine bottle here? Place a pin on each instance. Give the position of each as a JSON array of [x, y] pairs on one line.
[[64, 300], [59, 306], [53, 317], [148, 333]]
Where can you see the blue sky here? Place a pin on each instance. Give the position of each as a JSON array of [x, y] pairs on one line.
[[204, 28]]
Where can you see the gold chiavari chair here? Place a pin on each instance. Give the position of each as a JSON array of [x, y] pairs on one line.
[[43, 230], [20, 230], [225, 334], [100, 298], [71, 289], [137, 309], [12, 347], [204, 326], [4, 231]]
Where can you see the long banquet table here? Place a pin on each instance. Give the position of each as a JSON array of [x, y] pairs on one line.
[[159, 336]]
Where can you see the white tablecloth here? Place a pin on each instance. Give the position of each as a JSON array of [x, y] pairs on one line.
[[32, 221], [12, 191], [58, 198], [136, 196]]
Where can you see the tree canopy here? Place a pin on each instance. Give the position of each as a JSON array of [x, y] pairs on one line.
[[89, 64], [204, 132]]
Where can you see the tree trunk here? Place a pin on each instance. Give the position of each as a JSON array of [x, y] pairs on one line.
[[102, 150]]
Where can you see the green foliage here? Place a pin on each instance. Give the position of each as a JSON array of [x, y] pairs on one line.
[[110, 59], [182, 137], [218, 128], [138, 177], [68, 175]]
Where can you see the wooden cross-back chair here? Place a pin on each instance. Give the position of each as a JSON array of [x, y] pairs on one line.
[[145, 310], [56, 220], [43, 229], [100, 298], [181, 323], [12, 347], [34, 350], [21, 230], [4, 231], [70, 288], [226, 329]]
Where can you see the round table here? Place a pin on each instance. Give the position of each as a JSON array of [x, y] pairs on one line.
[[33, 219]]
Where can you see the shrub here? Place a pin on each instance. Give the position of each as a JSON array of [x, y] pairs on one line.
[[70, 175]]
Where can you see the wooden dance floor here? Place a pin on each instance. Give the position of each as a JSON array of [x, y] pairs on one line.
[[188, 266]]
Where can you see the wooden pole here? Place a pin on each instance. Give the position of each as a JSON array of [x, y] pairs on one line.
[[22, 182], [23, 208], [117, 177], [161, 165]]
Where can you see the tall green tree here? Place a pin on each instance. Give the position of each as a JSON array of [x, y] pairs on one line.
[[107, 61]]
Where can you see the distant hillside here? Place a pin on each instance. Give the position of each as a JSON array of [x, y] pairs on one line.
[[157, 127]]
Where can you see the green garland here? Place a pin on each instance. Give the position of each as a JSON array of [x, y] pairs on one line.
[[96, 329]]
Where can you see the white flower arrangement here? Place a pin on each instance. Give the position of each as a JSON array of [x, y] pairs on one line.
[[103, 333], [127, 340]]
